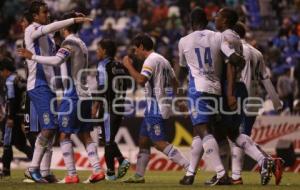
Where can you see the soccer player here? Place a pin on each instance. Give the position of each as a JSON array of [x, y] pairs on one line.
[[233, 90], [202, 51], [252, 75], [13, 133], [109, 73], [158, 77], [39, 42], [76, 103]]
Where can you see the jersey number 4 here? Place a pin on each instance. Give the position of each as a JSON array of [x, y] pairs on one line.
[[207, 57]]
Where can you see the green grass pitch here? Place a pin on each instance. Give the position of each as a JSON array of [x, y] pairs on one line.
[[154, 181]]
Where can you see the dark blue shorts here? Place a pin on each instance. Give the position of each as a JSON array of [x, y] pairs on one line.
[[153, 128], [72, 113], [41, 99]]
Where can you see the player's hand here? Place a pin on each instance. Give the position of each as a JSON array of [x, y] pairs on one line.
[[9, 123], [127, 61], [94, 111], [79, 14], [22, 52], [232, 102], [82, 19]]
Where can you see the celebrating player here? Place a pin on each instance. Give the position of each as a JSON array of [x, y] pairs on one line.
[[202, 52], [39, 76], [73, 58], [233, 89], [253, 74], [157, 76]]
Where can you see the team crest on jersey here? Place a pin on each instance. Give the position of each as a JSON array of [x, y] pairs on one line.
[[46, 118], [157, 130], [65, 121]]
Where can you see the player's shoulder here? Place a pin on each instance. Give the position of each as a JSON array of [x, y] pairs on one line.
[[32, 27], [231, 35], [155, 58]]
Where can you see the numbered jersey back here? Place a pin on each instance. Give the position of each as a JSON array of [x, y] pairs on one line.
[[159, 86], [201, 52]]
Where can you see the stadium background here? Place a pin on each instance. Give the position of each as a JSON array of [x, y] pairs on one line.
[[274, 28]]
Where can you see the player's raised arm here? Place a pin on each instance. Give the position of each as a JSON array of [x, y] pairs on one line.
[[55, 26], [61, 56]]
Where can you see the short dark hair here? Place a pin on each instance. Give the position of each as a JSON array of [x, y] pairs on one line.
[[8, 64], [74, 28], [198, 17], [35, 7], [28, 16], [240, 28], [230, 15], [143, 39], [109, 46]]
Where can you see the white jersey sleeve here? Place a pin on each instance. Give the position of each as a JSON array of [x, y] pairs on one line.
[[182, 60], [61, 56], [226, 48], [46, 29], [148, 68]]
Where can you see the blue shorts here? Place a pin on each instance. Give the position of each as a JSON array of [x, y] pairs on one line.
[[33, 119], [153, 128], [70, 111], [247, 125], [203, 107], [41, 98]]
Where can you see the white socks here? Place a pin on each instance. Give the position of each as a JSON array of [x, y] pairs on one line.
[[142, 162], [68, 155], [46, 161], [211, 149], [237, 159], [250, 148], [175, 155], [196, 155], [91, 150], [41, 144]]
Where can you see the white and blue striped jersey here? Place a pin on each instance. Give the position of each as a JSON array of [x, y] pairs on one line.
[[72, 58], [158, 88], [202, 51], [39, 44]]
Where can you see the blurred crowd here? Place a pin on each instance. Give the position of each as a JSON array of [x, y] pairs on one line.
[[166, 21]]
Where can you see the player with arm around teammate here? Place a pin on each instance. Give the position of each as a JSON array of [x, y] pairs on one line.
[[252, 75], [75, 106], [202, 51]]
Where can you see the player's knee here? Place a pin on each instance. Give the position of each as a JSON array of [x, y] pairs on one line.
[[144, 143], [48, 133], [161, 145], [64, 137], [42, 141]]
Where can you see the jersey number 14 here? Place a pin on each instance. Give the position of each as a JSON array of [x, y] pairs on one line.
[[207, 57]]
